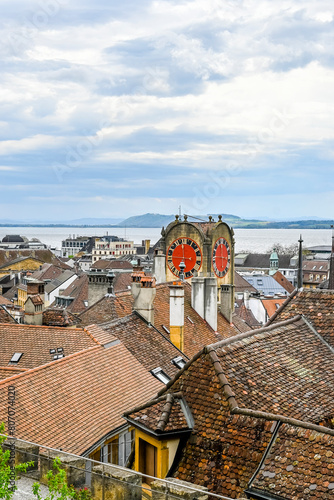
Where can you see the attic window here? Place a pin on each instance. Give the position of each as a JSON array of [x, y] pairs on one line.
[[160, 375], [179, 362], [190, 320], [166, 329], [260, 282], [16, 357]]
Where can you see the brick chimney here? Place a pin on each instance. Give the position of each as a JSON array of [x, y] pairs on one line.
[[176, 314], [143, 291], [204, 299], [227, 301]]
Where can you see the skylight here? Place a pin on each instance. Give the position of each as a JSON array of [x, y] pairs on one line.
[[16, 357], [160, 375], [179, 362]]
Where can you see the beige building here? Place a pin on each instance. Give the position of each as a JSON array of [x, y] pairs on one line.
[[109, 247]]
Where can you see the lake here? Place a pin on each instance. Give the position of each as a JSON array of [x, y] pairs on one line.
[[253, 240]]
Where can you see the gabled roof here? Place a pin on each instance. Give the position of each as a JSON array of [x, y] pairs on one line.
[[59, 317], [242, 313], [317, 305], [148, 345], [271, 305], [19, 259], [47, 272], [79, 290], [7, 256], [197, 332], [261, 261], [167, 414], [298, 461], [237, 390], [4, 301], [241, 285], [61, 279], [5, 316], [35, 343], [112, 264], [72, 403], [265, 284]]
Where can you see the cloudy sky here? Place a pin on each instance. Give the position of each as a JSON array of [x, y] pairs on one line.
[[115, 108]]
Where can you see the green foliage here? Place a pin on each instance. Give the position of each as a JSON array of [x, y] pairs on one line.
[[58, 488], [284, 249], [8, 474]]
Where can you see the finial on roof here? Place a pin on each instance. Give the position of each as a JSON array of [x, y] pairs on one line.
[[219, 218], [185, 217], [210, 218], [177, 217]]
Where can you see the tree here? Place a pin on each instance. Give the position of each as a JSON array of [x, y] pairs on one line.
[[8, 473], [284, 249]]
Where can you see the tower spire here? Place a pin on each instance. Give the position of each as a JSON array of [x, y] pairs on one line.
[[331, 265], [300, 264]]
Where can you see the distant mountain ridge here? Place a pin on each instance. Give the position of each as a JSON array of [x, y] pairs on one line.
[[154, 220]]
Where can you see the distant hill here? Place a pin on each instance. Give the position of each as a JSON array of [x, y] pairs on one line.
[[158, 220]]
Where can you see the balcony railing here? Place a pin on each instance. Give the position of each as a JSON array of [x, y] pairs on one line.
[[105, 481]]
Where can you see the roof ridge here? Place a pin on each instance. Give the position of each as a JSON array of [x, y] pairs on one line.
[[152, 402], [51, 363], [90, 334], [166, 411], [236, 410], [277, 312], [39, 326], [251, 333]]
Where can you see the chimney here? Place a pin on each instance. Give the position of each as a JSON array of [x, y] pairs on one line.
[[227, 301], [176, 314], [147, 246], [159, 266], [331, 265], [204, 299], [100, 282], [143, 291], [300, 264], [246, 299]]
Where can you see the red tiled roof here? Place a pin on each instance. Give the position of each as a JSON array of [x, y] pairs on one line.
[[35, 343], [299, 461], [112, 264], [73, 402], [237, 388], [271, 305], [7, 256], [10, 371], [197, 332], [48, 271], [59, 317], [6, 317], [149, 346], [36, 300], [79, 290], [316, 305], [4, 301]]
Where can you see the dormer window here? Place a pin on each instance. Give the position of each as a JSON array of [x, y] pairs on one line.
[[179, 362], [160, 375]]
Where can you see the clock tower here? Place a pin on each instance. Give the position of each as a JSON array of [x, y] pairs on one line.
[[203, 248]]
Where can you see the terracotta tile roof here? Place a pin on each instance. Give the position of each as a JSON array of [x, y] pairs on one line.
[[271, 305], [299, 461], [10, 371], [161, 415], [73, 402], [79, 290], [244, 315], [122, 282], [285, 283], [35, 343], [146, 344], [4, 301], [48, 272], [316, 305], [241, 285], [59, 317], [112, 264], [238, 388], [6, 256], [241, 325], [36, 300], [5, 316], [197, 332]]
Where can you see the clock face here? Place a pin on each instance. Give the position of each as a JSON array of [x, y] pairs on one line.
[[187, 251], [221, 257]]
